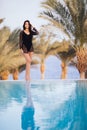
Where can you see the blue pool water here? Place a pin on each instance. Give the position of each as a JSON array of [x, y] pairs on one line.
[[43, 105]]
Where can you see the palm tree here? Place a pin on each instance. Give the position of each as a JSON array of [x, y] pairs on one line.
[[4, 34], [71, 17], [40, 48], [65, 57], [47, 45], [10, 58]]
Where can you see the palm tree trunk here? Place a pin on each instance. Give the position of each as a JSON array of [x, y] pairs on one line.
[[15, 74], [82, 75], [64, 70], [4, 75], [42, 69], [82, 61]]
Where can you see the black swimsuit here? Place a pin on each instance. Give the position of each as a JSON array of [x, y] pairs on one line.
[[25, 40]]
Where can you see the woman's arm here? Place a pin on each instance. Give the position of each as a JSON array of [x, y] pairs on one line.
[[34, 31]]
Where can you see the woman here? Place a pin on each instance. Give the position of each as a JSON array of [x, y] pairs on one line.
[[25, 44]]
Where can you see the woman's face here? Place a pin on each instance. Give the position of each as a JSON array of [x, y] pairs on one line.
[[26, 25]]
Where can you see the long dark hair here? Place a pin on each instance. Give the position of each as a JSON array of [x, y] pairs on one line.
[[28, 23]]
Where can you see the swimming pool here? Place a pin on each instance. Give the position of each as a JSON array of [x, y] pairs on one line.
[[43, 105]]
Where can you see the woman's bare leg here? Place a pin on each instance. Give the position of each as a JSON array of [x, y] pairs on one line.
[[28, 62], [31, 54]]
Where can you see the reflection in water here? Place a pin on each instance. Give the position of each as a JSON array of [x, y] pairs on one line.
[[27, 116], [61, 106], [72, 115], [11, 92], [81, 100]]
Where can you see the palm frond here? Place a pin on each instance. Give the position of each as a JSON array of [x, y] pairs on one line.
[[9, 53], [1, 20], [66, 56], [71, 16], [77, 11], [4, 34], [60, 14]]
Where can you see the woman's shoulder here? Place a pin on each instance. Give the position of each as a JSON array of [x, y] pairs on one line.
[[21, 32]]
